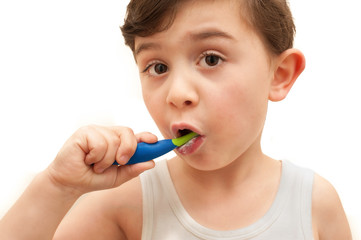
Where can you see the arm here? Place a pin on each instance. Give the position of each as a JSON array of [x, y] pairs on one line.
[[84, 164], [329, 218], [110, 214], [37, 213]]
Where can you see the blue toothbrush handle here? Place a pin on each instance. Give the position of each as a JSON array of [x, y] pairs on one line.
[[149, 151]]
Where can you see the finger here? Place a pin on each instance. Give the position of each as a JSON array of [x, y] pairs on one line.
[[114, 176], [128, 144], [146, 137], [95, 146], [127, 172], [113, 142]]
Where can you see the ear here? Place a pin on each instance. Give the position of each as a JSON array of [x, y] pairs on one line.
[[288, 66]]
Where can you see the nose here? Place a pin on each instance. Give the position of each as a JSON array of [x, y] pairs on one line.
[[182, 91]]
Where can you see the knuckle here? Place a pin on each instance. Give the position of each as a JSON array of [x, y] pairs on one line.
[[115, 140], [86, 129], [127, 149], [128, 130], [101, 144]]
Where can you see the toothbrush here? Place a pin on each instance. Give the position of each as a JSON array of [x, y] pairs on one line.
[[148, 151]]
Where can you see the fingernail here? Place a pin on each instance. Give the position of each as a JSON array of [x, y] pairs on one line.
[[123, 160]]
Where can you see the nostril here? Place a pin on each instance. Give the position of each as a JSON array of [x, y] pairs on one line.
[[187, 103]]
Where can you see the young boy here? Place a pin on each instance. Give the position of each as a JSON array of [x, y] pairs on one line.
[[208, 66]]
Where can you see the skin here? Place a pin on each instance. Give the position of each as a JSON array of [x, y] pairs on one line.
[[217, 82]]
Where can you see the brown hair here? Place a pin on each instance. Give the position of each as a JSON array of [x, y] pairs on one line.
[[271, 19]]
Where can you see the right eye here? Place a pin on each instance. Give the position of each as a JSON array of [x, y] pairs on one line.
[[156, 69]]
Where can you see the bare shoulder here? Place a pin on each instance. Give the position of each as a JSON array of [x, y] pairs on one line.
[[108, 214], [328, 216], [130, 210]]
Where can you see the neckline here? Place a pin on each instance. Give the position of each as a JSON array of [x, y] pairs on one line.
[[206, 233]]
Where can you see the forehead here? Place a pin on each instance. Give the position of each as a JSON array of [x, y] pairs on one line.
[[199, 20]]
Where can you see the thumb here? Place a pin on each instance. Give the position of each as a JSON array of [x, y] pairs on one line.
[[127, 172]]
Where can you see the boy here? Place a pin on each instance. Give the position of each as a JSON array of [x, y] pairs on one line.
[[208, 66]]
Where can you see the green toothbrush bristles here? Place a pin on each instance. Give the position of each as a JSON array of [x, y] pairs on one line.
[[184, 139]]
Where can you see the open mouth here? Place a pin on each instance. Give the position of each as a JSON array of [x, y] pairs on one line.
[[192, 145], [183, 132]]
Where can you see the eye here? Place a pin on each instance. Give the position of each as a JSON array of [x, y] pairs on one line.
[[159, 68], [210, 60], [156, 69]]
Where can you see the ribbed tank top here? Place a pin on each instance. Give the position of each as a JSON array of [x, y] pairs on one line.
[[289, 217]]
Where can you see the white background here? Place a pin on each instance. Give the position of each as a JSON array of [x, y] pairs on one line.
[[63, 65]]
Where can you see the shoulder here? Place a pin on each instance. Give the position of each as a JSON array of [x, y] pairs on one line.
[[328, 216], [108, 214], [128, 211]]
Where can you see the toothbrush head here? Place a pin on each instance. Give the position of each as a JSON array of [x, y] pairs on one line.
[[184, 139]]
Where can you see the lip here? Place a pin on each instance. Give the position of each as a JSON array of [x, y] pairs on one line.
[[193, 144], [180, 126]]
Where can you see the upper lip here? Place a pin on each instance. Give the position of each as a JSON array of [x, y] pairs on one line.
[[181, 126]]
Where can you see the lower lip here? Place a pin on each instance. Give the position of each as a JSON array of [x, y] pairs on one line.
[[191, 146]]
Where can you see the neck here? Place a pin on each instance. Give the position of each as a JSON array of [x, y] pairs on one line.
[[230, 176], [246, 168]]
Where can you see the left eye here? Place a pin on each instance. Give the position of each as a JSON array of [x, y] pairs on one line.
[[159, 68], [210, 60]]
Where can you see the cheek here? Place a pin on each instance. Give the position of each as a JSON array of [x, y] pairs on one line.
[[231, 100], [239, 106], [152, 102]]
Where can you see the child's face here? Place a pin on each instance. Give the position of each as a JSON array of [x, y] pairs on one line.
[[210, 73]]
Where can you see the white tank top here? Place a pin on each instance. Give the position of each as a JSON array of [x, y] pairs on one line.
[[289, 218]]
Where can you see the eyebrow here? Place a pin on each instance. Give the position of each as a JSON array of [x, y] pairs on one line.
[[210, 34], [145, 46], [193, 37]]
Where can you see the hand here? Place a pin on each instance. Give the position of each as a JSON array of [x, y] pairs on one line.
[[85, 162]]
